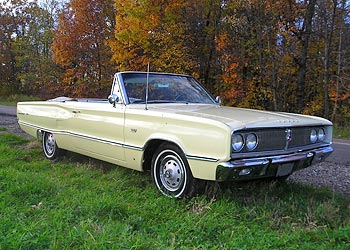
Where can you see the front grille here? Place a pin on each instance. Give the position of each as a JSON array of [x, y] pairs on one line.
[[283, 138]]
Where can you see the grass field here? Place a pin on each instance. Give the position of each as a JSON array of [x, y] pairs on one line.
[[13, 99], [80, 203], [341, 132]]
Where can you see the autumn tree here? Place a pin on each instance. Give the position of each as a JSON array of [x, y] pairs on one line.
[[26, 37], [254, 53], [340, 89], [247, 47], [297, 21], [267, 54], [7, 56], [35, 69], [154, 32], [80, 47]]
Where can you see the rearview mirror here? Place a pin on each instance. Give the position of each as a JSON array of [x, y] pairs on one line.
[[218, 100], [113, 99]]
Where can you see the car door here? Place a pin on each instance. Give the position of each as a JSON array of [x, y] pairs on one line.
[[98, 129]]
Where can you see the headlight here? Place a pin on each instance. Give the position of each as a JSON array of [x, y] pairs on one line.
[[251, 142], [237, 142], [313, 136], [321, 134]]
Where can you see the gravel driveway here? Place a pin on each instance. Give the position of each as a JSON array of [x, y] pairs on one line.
[[10, 123], [332, 173]]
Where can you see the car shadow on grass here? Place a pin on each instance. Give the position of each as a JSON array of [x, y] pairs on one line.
[[140, 180], [247, 193]]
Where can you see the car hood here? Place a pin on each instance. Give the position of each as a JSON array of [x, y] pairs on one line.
[[239, 118]]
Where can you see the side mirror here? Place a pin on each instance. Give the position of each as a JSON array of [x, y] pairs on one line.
[[113, 99], [218, 100]]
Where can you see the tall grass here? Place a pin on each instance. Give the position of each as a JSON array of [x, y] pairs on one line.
[[80, 203]]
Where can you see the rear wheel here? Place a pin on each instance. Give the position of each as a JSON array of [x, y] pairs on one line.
[[171, 173], [51, 150]]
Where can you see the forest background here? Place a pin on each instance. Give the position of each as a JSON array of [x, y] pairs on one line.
[[290, 55]]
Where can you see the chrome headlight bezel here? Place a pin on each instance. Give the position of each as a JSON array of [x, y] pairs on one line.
[[237, 142], [321, 134], [313, 136], [244, 142], [251, 141]]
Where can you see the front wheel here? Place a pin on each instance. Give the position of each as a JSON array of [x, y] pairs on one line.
[[171, 172], [51, 150]]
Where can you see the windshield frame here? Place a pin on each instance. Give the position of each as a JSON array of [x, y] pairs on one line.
[[165, 81]]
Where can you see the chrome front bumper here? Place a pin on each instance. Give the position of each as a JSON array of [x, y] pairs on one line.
[[272, 166]]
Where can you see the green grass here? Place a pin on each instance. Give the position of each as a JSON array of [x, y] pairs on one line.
[[13, 99], [7, 103], [80, 203], [341, 132]]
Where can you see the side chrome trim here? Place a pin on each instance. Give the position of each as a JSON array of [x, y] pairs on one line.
[[133, 147], [63, 132], [33, 126], [201, 158], [106, 141]]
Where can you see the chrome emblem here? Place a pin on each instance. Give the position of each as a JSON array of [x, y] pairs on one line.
[[288, 138]]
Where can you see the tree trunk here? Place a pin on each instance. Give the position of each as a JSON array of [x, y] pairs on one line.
[[301, 61], [339, 59], [327, 52]]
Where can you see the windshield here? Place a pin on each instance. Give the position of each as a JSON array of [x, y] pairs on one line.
[[163, 88]]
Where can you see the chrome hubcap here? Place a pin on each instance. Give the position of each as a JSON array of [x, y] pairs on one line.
[[50, 144], [171, 173]]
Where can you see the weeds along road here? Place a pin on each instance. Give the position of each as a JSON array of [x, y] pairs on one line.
[[333, 173]]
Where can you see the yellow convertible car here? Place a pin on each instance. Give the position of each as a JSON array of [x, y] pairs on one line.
[[169, 124]]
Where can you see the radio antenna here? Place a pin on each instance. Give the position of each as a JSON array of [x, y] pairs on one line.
[[147, 85]]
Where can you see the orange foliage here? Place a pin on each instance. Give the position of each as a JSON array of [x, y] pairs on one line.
[[151, 32], [135, 25], [232, 84], [80, 45], [249, 52]]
